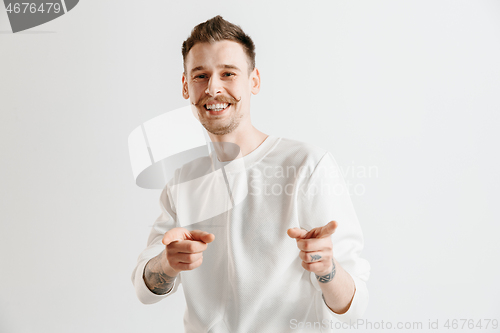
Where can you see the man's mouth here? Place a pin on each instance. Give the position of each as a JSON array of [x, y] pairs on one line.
[[217, 108]]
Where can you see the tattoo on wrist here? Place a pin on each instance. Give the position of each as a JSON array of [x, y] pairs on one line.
[[156, 280], [328, 277], [315, 257]]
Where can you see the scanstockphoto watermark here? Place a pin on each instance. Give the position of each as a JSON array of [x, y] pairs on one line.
[[477, 324], [358, 324], [311, 181]]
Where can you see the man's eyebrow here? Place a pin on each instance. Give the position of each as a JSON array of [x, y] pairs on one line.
[[229, 67], [225, 66], [199, 68]]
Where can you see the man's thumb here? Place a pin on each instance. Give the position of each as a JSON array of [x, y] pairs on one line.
[[175, 234], [296, 232]]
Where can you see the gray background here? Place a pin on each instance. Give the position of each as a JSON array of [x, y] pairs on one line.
[[410, 87]]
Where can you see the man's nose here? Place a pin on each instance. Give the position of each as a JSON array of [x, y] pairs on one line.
[[214, 86]]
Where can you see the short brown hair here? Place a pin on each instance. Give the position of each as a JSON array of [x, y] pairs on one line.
[[217, 29]]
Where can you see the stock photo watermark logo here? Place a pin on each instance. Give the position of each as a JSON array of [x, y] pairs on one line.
[[25, 15], [329, 180]]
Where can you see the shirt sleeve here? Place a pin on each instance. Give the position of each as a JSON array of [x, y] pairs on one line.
[[324, 196], [165, 222]]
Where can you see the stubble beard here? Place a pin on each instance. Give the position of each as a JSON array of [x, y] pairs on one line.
[[213, 126]]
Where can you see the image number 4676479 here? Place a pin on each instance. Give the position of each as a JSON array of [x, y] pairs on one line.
[[25, 15]]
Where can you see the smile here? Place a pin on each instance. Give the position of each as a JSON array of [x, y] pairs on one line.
[[216, 109]]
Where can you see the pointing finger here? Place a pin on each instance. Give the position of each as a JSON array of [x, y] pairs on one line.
[[324, 231], [203, 236]]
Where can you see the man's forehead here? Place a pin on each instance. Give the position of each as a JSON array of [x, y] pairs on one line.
[[221, 54]]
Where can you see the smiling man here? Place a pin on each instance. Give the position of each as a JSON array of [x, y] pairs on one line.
[[285, 258], [221, 114]]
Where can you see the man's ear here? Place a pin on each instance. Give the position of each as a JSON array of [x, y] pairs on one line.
[[255, 81], [185, 92]]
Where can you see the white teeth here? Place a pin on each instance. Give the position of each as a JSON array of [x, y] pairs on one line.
[[217, 107]]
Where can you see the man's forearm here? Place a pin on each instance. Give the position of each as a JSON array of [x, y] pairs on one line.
[[338, 288], [155, 275]]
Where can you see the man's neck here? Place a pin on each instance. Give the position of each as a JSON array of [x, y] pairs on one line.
[[247, 139]]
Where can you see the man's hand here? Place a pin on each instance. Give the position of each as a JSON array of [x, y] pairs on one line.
[[316, 250], [183, 251], [184, 248], [317, 257]]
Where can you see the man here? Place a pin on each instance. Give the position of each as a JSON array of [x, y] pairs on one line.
[[275, 262]]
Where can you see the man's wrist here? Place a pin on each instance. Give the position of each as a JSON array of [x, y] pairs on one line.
[[325, 278], [156, 278]]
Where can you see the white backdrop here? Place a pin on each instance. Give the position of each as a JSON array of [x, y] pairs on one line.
[[404, 90]]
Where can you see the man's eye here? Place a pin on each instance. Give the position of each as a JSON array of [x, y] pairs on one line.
[[228, 74], [201, 76]]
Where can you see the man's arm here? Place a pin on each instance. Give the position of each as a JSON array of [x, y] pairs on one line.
[[324, 196], [142, 284], [338, 288]]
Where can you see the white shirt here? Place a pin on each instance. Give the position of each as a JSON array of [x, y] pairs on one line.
[[251, 278]]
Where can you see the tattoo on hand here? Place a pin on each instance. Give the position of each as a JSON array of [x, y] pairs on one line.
[[328, 277], [315, 257], [156, 280]]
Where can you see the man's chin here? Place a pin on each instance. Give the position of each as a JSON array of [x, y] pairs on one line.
[[220, 130]]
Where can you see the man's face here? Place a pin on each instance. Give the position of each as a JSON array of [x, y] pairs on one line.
[[218, 83]]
